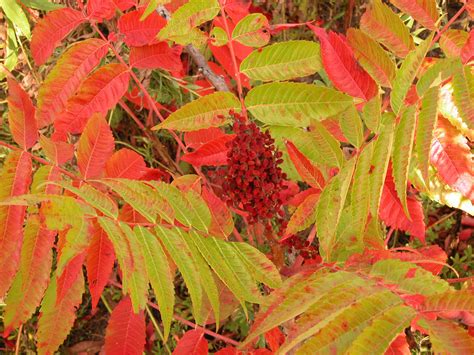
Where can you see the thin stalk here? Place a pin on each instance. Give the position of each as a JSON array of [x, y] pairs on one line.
[[157, 328]]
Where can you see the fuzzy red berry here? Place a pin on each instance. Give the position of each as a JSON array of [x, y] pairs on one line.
[[253, 180]]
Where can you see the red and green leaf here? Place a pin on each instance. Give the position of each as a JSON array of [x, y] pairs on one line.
[[125, 163], [98, 93], [21, 116], [52, 29], [57, 318], [392, 214], [66, 76], [424, 11], [99, 263], [383, 25], [342, 68], [95, 147], [16, 179], [451, 156], [305, 168]]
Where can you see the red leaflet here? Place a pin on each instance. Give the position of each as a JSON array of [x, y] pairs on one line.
[[213, 153], [58, 152], [100, 9], [467, 52], [66, 76], [274, 339], [192, 343], [15, 180], [341, 66], [423, 11], [139, 33], [99, 263], [51, 29], [125, 332], [221, 223], [432, 252], [157, 56], [98, 93], [333, 127], [391, 210], [124, 5], [451, 156], [305, 168], [125, 163], [21, 116], [195, 139], [69, 276], [95, 147]]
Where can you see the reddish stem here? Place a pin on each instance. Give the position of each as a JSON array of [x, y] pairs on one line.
[[234, 60], [448, 24]]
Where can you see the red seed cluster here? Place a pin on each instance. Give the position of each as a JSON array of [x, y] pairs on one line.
[[253, 180]]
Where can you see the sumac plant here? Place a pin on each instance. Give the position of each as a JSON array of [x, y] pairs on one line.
[[279, 171]]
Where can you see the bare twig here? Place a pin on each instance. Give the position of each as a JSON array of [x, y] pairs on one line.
[[216, 80]]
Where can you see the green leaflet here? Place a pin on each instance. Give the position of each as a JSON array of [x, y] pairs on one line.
[[189, 207], [283, 61], [252, 30], [463, 92], [11, 52], [372, 57], [345, 329], [262, 269], [218, 36], [76, 242], [181, 28], [378, 336], [159, 274], [407, 73], [334, 302], [294, 104], [448, 337], [304, 215], [402, 152], [451, 300], [351, 126], [182, 256], [360, 194], [230, 268], [44, 5], [371, 114], [328, 146], [32, 278], [427, 118], [380, 160], [93, 197], [202, 113], [131, 260], [142, 197], [329, 209], [207, 276], [152, 6], [297, 294], [435, 75], [16, 15], [57, 319], [303, 140], [394, 271]]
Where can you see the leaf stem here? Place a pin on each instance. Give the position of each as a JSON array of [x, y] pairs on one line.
[[157, 328], [234, 60]]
